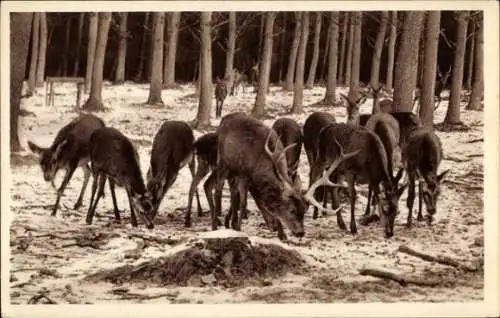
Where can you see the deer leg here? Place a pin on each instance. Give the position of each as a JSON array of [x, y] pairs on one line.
[[367, 211], [242, 193], [64, 184], [133, 219], [113, 196], [198, 176], [352, 195], [281, 234], [411, 197], [244, 210], [90, 212], [100, 190], [86, 177], [420, 197]]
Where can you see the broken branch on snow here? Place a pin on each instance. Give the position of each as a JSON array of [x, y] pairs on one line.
[[402, 280], [444, 260]]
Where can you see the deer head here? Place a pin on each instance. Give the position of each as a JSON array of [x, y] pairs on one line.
[[388, 204], [353, 105], [431, 191], [50, 158]]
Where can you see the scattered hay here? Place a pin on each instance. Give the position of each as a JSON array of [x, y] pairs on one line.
[[452, 127], [222, 257]]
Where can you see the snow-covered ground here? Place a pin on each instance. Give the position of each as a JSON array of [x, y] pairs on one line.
[[45, 252]]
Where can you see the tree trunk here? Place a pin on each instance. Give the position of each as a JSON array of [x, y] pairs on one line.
[[453, 113], [405, 77], [356, 55], [20, 31], [81, 16], [122, 49], [478, 84], [343, 48], [151, 47], [157, 62], [282, 48], [91, 48], [332, 59], [470, 64], [142, 54], [390, 50], [173, 36], [324, 64], [265, 69], [348, 66], [377, 51], [66, 54], [231, 47], [94, 103], [314, 63], [42, 51], [35, 31], [205, 103], [293, 54], [261, 33], [426, 110], [298, 90]]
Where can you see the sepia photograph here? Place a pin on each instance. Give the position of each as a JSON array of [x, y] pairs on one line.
[[166, 153]]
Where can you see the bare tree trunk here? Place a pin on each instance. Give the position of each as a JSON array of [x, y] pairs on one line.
[[293, 54], [231, 47], [324, 64], [377, 51], [261, 33], [81, 16], [453, 113], [157, 63], [91, 47], [426, 110], [314, 63], [265, 69], [350, 45], [282, 48], [94, 103], [20, 31], [205, 103], [405, 77], [122, 49], [151, 47], [298, 90], [356, 55], [390, 50], [173, 36], [66, 54], [35, 31], [478, 84], [42, 52], [470, 64], [332, 59], [343, 48], [142, 54]]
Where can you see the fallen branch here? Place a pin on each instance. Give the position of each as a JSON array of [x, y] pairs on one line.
[[475, 140], [444, 260], [402, 280], [168, 241], [129, 296], [456, 159], [35, 299], [473, 155]]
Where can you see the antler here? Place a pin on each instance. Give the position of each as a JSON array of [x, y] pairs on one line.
[[324, 180], [276, 156]]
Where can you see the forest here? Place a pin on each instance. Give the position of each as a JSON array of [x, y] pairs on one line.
[[405, 87]]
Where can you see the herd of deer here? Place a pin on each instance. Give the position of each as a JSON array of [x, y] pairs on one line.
[[262, 160]]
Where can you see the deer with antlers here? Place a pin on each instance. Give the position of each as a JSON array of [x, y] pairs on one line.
[[368, 164]]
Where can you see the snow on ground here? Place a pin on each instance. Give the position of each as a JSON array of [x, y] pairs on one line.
[[45, 251]]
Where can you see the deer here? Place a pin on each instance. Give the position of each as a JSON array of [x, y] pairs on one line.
[[312, 127], [422, 155], [441, 83], [220, 96], [239, 79], [290, 132], [114, 158], [172, 150], [353, 105], [368, 165], [69, 150]]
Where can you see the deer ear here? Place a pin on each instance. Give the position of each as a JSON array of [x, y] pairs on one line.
[[399, 175], [442, 175], [402, 189], [361, 100], [35, 149], [345, 98]]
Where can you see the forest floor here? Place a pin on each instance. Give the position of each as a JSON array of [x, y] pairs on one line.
[[51, 257]]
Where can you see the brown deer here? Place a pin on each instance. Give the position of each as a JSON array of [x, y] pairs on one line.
[[312, 127], [239, 80], [422, 155], [172, 150], [220, 95], [369, 165], [352, 107], [113, 157], [69, 150]]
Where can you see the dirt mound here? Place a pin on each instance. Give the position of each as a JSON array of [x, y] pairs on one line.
[[223, 257]]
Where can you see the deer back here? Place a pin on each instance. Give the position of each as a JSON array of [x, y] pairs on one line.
[[423, 151], [312, 127], [206, 148], [408, 122], [386, 128], [290, 132]]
